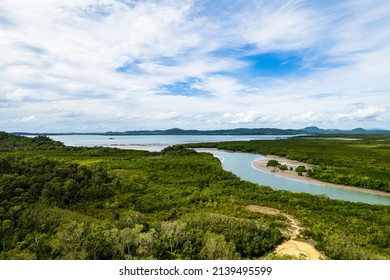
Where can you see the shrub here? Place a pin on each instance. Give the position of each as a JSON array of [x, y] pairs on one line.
[[283, 167], [300, 169], [273, 162]]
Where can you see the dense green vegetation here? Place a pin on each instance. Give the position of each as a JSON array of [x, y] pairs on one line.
[[273, 163], [61, 202], [361, 163], [9, 142]]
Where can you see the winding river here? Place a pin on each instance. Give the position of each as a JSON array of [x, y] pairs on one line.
[[240, 164]]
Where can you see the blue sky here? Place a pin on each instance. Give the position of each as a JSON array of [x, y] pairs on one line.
[[100, 65]]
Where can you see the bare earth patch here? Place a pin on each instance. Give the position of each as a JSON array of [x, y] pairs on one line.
[[298, 249], [291, 247]]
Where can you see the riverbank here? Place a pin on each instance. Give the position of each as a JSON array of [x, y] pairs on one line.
[[261, 164]]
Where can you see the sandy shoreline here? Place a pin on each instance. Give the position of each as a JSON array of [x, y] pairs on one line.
[[291, 174]]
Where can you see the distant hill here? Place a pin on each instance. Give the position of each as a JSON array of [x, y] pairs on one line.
[[178, 131], [237, 131], [9, 142], [311, 130], [356, 131]]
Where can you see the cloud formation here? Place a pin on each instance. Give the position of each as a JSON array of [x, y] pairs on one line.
[[88, 65]]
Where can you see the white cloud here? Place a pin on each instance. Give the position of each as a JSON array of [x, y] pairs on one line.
[[223, 87], [28, 118], [25, 119], [287, 26], [242, 118], [166, 116], [60, 59], [308, 117], [361, 114], [16, 95], [361, 27]]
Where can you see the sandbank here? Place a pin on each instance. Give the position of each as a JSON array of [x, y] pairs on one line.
[[261, 164]]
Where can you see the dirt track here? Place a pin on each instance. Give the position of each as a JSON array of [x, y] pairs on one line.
[[291, 247]]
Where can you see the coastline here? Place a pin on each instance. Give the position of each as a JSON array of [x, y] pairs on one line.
[[261, 164]]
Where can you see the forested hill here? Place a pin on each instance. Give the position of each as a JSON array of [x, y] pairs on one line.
[[10, 142], [237, 131], [178, 131], [60, 202], [312, 130]]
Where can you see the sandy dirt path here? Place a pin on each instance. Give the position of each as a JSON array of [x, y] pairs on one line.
[[291, 247]]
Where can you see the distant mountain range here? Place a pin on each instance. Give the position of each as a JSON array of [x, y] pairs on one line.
[[311, 130], [356, 131]]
